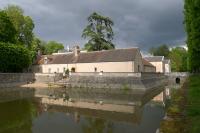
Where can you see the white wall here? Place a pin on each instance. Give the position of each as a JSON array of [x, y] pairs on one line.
[[87, 67], [159, 66], [167, 68]]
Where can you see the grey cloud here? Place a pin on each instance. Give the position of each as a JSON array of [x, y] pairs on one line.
[[141, 23]]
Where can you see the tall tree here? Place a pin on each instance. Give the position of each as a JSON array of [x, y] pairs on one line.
[[192, 23], [99, 32], [162, 50], [179, 58], [23, 24], [53, 47], [7, 30]]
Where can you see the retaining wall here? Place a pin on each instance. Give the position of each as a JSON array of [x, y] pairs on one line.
[[15, 79], [46, 78], [116, 87]]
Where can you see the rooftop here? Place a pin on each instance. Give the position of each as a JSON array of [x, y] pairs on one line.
[[154, 58], [117, 55], [146, 63]]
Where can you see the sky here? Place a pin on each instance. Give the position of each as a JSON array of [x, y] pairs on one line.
[[137, 23]]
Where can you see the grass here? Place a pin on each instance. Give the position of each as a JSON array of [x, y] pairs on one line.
[[193, 106], [184, 109]]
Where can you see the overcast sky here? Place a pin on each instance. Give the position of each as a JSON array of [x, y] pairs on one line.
[[137, 23]]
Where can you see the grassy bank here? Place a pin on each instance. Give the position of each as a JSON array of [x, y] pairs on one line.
[[193, 104], [183, 113]]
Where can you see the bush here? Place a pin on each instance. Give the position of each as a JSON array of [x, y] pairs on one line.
[[13, 58]]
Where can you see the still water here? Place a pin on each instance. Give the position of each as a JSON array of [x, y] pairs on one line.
[[31, 116]]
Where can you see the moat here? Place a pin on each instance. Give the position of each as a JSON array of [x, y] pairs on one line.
[[30, 116], [21, 111]]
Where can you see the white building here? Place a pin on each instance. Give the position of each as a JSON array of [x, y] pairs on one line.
[[118, 60], [162, 65]]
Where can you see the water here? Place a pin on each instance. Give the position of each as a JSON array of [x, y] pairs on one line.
[[32, 116]]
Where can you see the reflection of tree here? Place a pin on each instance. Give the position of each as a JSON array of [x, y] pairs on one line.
[[16, 116], [96, 125]]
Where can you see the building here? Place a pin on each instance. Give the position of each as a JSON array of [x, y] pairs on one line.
[[147, 66], [167, 66], [162, 65], [118, 60]]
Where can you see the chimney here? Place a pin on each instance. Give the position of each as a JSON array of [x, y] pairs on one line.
[[76, 50]]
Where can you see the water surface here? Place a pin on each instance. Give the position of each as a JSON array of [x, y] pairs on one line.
[[31, 116]]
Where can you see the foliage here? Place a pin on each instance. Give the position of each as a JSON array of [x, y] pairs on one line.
[[193, 108], [192, 24], [23, 24], [53, 47], [13, 58], [178, 57], [37, 45], [99, 32], [7, 30], [67, 72], [162, 50]]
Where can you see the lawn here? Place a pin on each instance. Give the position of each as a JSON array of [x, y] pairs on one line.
[[193, 106]]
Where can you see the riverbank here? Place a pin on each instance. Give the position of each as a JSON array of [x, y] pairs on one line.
[[183, 113], [193, 108]]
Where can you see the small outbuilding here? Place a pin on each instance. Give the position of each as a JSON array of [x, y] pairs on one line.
[[162, 65]]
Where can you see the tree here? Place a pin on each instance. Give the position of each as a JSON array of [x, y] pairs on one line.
[[37, 45], [162, 50], [23, 24], [192, 24], [179, 58], [99, 32], [7, 30], [14, 58], [53, 47]]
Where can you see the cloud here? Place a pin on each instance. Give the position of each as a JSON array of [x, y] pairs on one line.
[[138, 23]]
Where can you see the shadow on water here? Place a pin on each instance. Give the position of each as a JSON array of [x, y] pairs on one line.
[[17, 116]]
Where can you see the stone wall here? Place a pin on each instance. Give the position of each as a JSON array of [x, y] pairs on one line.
[[174, 76], [46, 78], [116, 87], [15, 79]]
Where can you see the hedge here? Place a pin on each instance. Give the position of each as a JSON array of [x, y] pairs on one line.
[[13, 58]]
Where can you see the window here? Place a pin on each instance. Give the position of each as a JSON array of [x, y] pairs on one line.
[[95, 69], [73, 69]]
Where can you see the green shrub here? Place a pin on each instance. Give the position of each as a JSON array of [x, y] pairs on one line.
[[13, 58]]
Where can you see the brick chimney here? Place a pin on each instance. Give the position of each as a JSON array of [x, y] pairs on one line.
[[76, 50]]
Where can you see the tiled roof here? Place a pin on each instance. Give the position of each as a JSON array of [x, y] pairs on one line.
[[154, 58], [146, 63], [117, 55]]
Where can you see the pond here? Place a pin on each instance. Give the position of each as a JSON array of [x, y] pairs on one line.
[[32, 115]]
